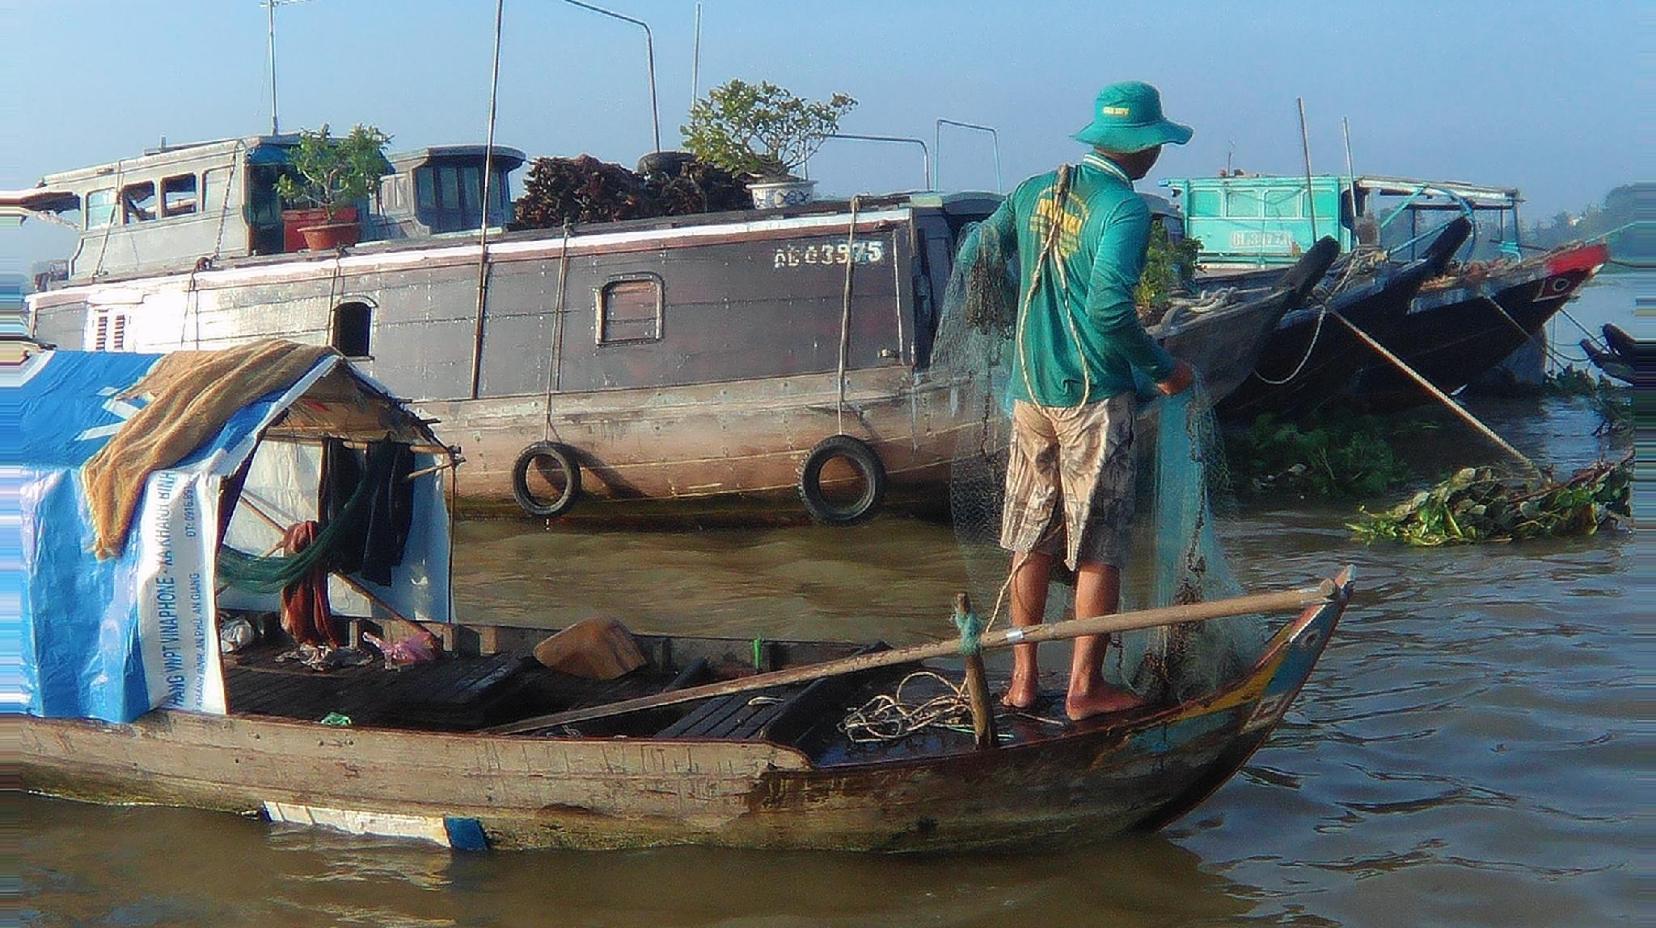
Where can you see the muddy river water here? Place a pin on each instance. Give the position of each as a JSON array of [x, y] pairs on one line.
[[1468, 751]]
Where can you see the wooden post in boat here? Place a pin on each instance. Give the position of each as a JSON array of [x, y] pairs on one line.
[[1324, 592], [977, 680]]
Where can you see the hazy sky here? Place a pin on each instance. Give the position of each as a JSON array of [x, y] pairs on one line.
[[1552, 97]]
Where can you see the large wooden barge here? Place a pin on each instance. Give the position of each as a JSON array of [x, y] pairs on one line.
[[711, 365]]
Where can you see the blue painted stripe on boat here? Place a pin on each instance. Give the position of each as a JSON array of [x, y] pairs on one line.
[[465, 834]]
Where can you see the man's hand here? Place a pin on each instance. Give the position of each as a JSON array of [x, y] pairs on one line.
[[1179, 381]]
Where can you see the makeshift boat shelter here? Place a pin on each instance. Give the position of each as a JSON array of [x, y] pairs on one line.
[[132, 469]]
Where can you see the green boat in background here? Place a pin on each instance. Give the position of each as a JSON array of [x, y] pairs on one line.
[[1251, 221], [1480, 319]]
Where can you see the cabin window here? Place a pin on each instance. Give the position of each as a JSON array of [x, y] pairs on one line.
[[425, 194], [352, 326], [99, 208], [138, 202], [1242, 204], [215, 187], [449, 197], [1284, 204], [471, 180], [1204, 203], [178, 195], [448, 187], [629, 310]]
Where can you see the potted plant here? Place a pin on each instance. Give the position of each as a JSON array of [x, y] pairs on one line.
[[331, 174], [764, 132]]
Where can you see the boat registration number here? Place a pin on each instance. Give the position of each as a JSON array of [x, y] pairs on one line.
[[842, 253]]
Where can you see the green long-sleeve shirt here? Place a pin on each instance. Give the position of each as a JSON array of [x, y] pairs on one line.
[[1104, 229]]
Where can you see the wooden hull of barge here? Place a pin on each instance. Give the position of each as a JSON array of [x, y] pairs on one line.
[[1086, 782]]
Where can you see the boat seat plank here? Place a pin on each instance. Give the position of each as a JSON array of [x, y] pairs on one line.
[[739, 715], [706, 712], [447, 693]]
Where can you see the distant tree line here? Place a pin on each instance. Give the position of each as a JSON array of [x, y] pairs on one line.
[[1623, 205]]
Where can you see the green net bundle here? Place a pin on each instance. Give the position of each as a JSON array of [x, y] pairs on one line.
[[1176, 558]]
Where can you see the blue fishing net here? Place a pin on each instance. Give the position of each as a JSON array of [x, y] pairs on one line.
[[1176, 557]]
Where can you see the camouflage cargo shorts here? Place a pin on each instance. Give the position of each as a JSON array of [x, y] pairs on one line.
[[1069, 482]]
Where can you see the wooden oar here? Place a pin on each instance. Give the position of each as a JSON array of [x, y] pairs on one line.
[[1074, 628], [1431, 388]]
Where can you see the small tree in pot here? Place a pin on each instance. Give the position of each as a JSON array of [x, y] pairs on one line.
[[763, 131], [332, 174]]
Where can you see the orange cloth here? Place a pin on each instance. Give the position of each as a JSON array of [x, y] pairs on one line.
[[193, 394]]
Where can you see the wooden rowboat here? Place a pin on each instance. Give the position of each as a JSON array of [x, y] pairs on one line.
[[705, 740], [732, 770]]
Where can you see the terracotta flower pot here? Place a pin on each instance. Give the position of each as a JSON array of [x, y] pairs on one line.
[[331, 235], [295, 220]]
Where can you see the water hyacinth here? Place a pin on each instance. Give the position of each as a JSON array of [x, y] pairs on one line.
[[1475, 505]]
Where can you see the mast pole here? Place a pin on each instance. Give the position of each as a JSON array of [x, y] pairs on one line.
[[695, 62], [270, 8], [483, 224], [1305, 146], [1351, 173]]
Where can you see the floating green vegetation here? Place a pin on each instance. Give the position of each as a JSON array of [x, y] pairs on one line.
[[1475, 505], [1570, 381], [1615, 408], [1343, 457]]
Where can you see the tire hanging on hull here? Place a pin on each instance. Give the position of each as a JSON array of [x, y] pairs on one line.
[[562, 457], [868, 467]]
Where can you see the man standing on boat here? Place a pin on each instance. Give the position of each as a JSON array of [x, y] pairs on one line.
[[1081, 233]]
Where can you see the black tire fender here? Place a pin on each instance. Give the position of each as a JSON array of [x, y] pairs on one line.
[[561, 455], [867, 465]]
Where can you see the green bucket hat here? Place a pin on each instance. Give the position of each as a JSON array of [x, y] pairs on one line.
[[1127, 116]]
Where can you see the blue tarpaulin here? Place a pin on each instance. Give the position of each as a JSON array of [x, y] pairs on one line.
[[114, 638]]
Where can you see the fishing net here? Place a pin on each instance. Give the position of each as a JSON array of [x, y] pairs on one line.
[[1176, 556]]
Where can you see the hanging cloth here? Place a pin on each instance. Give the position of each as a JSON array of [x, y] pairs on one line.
[[306, 614]]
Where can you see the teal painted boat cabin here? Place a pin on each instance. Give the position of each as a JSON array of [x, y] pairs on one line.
[[1255, 220]]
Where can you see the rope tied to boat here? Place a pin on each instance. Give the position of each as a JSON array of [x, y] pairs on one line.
[[971, 632]]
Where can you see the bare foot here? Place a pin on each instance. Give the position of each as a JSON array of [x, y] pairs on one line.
[[1022, 693], [1099, 700]]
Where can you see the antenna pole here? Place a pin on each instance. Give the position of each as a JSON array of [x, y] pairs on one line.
[[270, 8], [649, 52], [1310, 196], [695, 61]]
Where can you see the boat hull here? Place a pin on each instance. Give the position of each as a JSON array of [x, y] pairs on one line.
[[1452, 335], [1310, 360], [1083, 783]]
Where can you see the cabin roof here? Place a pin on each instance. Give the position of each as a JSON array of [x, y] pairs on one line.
[[1480, 196], [414, 157]]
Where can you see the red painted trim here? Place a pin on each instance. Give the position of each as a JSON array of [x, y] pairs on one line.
[[1580, 258]]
